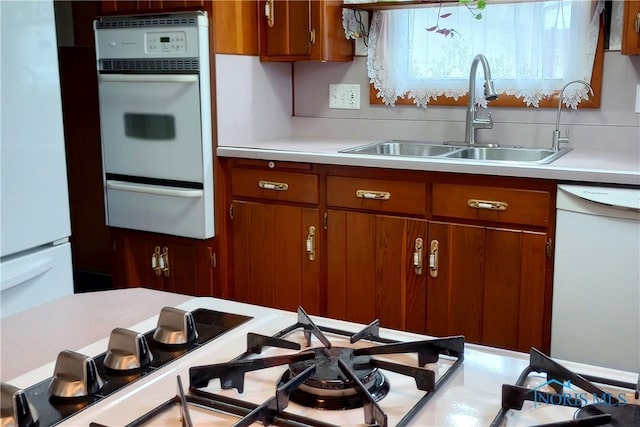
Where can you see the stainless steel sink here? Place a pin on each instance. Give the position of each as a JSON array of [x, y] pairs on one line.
[[489, 154], [508, 154], [403, 148]]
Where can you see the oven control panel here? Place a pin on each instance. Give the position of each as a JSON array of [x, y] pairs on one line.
[[166, 42]]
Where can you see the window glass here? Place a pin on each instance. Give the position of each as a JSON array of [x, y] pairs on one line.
[[149, 126], [533, 49]]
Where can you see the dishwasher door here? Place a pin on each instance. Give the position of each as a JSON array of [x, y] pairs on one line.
[[596, 290]]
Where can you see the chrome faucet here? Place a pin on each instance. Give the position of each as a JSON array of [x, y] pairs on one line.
[[473, 123], [557, 139]]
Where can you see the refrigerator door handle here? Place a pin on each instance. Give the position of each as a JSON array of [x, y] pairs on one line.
[[23, 272]]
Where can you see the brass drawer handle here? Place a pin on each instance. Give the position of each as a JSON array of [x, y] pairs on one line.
[[276, 186], [487, 204], [373, 195], [637, 23]]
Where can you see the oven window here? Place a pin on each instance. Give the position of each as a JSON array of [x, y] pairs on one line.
[[149, 126]]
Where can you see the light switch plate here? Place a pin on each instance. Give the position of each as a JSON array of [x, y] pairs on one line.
[[344, 96]]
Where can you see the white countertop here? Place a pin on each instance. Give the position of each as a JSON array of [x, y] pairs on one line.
[[579, 165]]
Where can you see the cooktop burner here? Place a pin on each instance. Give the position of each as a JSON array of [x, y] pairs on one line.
[[327, 376], [587, 400], [328, 387], [620, 415]]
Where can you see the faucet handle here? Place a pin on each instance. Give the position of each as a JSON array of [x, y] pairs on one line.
[[557, 140]]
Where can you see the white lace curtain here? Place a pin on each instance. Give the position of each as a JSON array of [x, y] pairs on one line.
[[533, 50]]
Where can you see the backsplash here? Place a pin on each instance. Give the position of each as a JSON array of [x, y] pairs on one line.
[[614, 125], [261, 101]]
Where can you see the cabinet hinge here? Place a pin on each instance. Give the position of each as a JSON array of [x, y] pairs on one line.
[[325, 220], [214, 261], [231, 211], [549, 248]]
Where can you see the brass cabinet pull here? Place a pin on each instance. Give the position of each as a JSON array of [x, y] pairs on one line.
[[311, 243], [156, 261], [164, 261], [276, 186], [433, 259], [268, 12], [373, 194], [637, 23], [487, 204], [417, 256]]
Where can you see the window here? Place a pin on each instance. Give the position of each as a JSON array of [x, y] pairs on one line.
[[533, 49]]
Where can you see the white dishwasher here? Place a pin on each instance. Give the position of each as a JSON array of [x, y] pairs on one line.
[[596, 283]]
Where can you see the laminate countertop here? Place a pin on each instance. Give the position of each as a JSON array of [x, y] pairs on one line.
[[586, 165]]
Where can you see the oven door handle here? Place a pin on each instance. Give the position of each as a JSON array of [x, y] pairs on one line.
[[149, 78], [154, 189]]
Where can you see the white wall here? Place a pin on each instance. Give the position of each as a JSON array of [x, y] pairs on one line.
[[253, 99], [614, 125]]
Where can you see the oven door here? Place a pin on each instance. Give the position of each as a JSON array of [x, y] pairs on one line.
[[157, 162], [151, 127]]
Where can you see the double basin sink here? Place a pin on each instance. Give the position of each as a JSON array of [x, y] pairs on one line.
[[489, 154]]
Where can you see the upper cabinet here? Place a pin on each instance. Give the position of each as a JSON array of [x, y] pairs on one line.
[[296, 30], [631, 28], [112, 6]]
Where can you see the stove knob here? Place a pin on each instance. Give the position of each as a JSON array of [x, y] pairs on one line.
[[175, 326], [16, 410], [127, 350], [75, 375]]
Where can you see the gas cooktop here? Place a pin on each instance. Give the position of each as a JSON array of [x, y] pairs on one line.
[[215, 362]]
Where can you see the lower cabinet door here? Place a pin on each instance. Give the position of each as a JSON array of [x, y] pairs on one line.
[[493, 291], [163, 263], [375, 270], [276, 255]]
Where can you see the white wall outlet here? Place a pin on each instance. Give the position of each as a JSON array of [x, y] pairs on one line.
[[344, 96], [637, 98]]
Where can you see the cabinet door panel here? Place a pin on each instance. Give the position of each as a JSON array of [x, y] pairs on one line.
[[190, 270], [491, 286], [351, 244], [271, 265], [535, 324], [370, 270], [630, 37], [290, 32], [454, 298], [503, 256]]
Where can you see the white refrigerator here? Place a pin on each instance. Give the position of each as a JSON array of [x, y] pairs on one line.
[[35, 253]]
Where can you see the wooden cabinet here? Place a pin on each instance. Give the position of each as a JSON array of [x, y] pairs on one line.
[[163, 262], [631, 28], [294, 30], [133, 6], [492, 282], [435, 253], [276, 238], [489, 285], [371, 255]]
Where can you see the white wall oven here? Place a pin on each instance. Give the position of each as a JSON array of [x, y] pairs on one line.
[[155, 121]]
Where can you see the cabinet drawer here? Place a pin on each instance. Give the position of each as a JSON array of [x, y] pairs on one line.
[[376, 194], [506, 205], [274, 185]]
